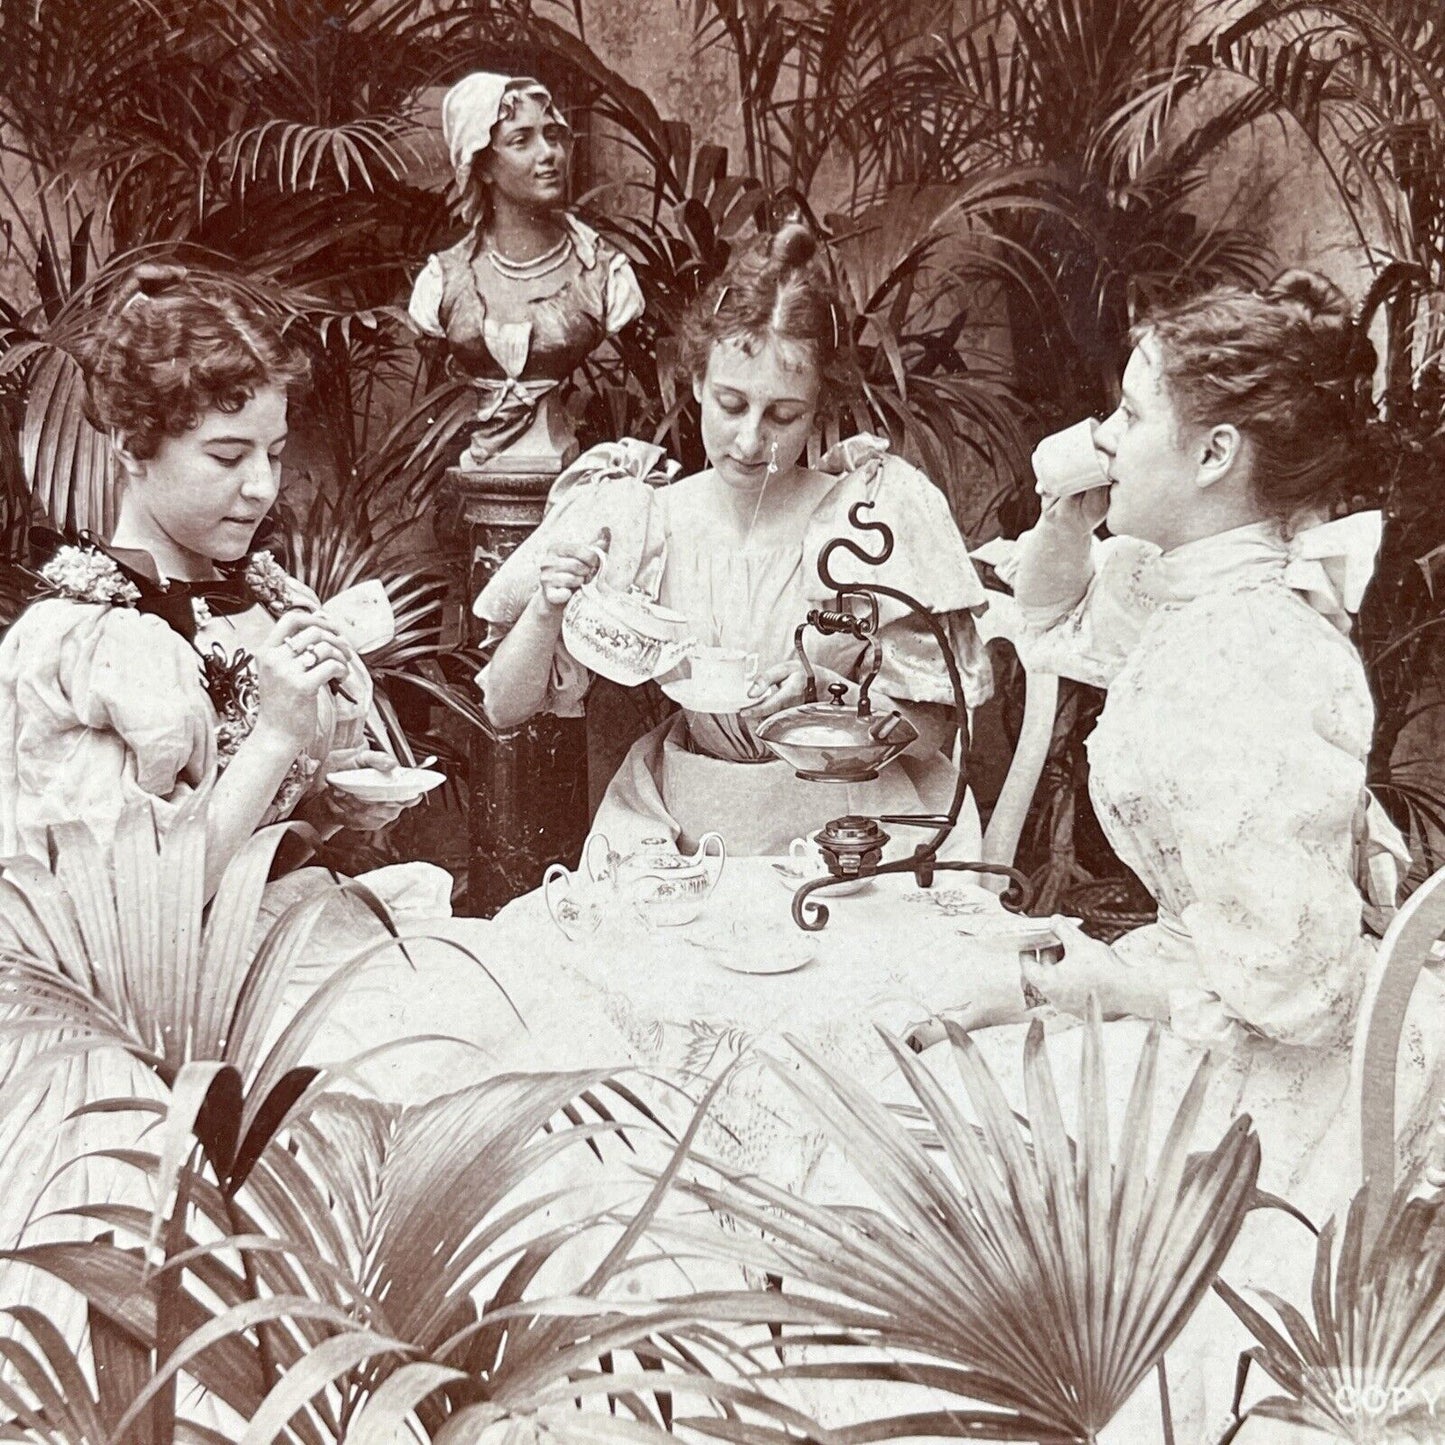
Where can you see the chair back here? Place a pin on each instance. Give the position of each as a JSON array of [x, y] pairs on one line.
[[1404, 952], [1041, 700]]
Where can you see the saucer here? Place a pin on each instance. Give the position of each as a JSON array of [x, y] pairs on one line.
[[1016, 928], [687, 694], [400, 785], [743, 947]]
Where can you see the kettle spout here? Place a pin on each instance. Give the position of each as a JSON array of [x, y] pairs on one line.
[[895, 729]]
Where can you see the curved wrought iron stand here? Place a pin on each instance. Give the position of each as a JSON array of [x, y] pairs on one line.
[[852, 846]]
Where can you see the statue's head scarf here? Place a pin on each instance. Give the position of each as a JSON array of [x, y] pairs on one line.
[[474, 105]]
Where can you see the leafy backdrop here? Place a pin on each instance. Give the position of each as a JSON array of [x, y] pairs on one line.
[[1000, 182]]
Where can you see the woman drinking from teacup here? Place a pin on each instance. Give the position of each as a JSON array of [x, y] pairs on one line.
[[173, 657], [1228, 766], [732, 551]]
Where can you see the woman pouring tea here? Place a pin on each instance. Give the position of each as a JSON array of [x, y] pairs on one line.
[[733, 551]]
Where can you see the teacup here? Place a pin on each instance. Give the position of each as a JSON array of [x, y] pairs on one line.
[[1068, 461], [575, 905], [806, 863], [723, 671]]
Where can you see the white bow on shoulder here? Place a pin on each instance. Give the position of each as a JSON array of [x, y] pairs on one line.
[[1330, 565]]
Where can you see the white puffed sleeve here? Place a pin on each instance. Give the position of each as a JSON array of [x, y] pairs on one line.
[[425, 306], [1260, 721], [99, 706], [607, 490], [1089, 638]]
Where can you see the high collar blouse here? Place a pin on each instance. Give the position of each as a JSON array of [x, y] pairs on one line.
[[1228, 770]]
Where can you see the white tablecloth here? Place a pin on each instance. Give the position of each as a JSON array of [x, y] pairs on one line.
[[892, 955], [517, 994]]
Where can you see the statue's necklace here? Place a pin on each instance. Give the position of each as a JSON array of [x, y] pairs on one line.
[[541, 265]]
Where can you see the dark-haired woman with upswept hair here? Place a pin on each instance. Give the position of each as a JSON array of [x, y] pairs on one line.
[[173, 657], [1228, 765], [734, 549], [167, 661]]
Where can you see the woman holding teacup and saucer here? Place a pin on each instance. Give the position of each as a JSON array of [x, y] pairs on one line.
[[170, 665], [1228, 765], [174, 656], [733, 552]]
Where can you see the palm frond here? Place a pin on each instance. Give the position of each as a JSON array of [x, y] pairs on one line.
[[1378, 1327], [1035, 1275]]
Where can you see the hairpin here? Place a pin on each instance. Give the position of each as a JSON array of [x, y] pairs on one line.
[[833, 319], [721, 297]]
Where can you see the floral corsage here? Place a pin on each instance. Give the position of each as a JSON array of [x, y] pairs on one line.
[[86, 574], [269, 584]]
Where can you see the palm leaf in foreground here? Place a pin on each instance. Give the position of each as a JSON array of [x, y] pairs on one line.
[[361, 1249], [507, 1278], [1369, 1365], [117, 949], [1037, 1279], [423, 1261]]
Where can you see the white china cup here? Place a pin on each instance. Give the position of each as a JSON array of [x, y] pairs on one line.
[[1068, 461], [723, 671], [806, 864]]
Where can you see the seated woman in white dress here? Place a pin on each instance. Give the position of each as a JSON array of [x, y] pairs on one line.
[[734, 549], [1228, 766], [168, 660], [173, 657]]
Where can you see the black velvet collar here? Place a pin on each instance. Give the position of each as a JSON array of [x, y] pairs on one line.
[[173, 602]]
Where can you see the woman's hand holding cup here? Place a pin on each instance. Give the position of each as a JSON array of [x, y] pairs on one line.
[[302, 654], [1081, 512]]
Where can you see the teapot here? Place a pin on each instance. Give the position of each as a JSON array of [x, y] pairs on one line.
[[664, 886], [831, 742], [624, 636]]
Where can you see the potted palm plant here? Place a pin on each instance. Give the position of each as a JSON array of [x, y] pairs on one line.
[[309, 1259]]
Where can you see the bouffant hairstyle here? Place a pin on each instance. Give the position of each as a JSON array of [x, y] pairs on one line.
[[1288, 367], [777, 289], [174, 344]]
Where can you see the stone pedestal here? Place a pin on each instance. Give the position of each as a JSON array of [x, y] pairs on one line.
[[528, 790]]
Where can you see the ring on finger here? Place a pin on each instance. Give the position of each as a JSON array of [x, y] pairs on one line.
[[292, 648], [313, 658]]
